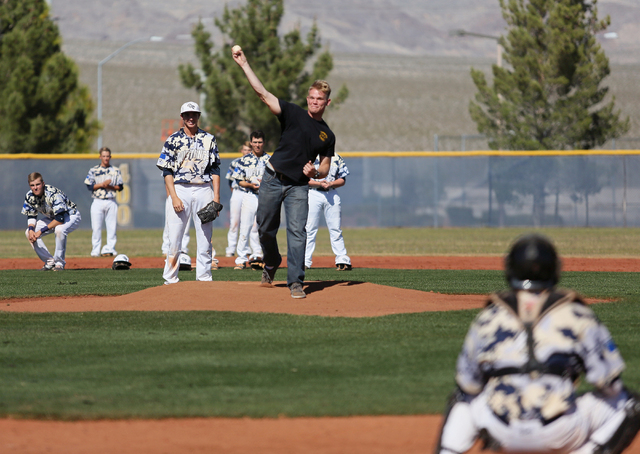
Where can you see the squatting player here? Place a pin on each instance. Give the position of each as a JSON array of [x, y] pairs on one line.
[[520, 362], [60, 216], [304, 136], [190, 166]]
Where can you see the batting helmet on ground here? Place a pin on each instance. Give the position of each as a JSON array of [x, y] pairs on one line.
[[185, 262], [121, 262]]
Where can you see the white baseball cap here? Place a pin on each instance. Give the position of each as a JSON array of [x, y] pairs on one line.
[[189, 107]]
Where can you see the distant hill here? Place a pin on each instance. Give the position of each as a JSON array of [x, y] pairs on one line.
[[409, 80], [400, 27]]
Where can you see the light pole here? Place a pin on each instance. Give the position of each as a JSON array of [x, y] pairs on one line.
[[460, 32], [101, 63]]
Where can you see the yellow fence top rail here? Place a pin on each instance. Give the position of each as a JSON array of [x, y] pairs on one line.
[[355, 154]]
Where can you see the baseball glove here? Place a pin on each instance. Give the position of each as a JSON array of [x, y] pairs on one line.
[[256, 264], [210, 212]]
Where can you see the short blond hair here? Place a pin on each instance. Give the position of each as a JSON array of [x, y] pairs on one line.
[[323, 86], [33, 176], [104, 149], [245, 144]]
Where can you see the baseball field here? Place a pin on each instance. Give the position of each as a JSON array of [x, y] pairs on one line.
[[101, 361]]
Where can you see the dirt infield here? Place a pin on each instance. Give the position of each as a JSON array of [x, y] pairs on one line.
[[390, 262], [355, 435]]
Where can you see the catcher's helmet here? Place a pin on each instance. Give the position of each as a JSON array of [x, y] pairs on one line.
[[121, 262], [532, 264]]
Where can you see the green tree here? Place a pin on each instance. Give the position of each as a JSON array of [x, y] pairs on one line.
[[43, 109], [283, 64], [549, 96]]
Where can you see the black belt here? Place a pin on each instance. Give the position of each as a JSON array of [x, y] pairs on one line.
[[278, 175], [322, 189]]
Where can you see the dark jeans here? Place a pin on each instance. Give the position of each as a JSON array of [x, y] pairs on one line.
[[273, 194]]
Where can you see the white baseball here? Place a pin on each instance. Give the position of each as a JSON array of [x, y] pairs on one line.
[[235, 49]]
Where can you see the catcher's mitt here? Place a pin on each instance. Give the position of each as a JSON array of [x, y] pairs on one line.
[[210, 212]]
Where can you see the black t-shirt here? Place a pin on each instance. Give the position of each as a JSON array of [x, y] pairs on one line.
[[302, 139]]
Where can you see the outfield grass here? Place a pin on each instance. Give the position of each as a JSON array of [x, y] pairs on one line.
[[183, 364], [578, 242]]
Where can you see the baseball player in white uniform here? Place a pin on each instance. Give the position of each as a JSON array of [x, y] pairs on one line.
[[184, 249], [104, 180], [190, 166], [235, 202], [61, 216], [520, 364], [323, 198], [248, 173]]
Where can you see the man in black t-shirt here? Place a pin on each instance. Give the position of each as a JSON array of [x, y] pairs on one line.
[[304, 136]]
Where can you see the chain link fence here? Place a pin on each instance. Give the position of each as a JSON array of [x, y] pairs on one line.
[[434, 189]]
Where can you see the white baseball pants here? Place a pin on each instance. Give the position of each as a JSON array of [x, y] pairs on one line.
[[327, 202], [71, 222], [194, 197], [165, 232], [595, 420], [235, 204], [248, 239], [103, 210]]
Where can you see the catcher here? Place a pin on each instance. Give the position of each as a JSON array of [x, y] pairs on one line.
[[520, 362]]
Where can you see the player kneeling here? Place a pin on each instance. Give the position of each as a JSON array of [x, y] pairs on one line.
[[518, 369]]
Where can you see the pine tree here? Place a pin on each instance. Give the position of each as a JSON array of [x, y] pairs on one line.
[[232, 108], [43, 109], [549, 96]]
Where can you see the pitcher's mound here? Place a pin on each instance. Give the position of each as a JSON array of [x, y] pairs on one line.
[[327, 298]]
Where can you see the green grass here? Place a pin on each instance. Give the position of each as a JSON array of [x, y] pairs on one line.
[[581, 242], [185, 364], [32, 283]]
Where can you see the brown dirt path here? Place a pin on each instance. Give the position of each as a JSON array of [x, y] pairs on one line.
[[353, 435], [390, 262]]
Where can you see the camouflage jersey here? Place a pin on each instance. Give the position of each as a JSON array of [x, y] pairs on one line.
[[99, 174], [233, 183], [337, 170], [190, 159], [529, 370], [52, 203], [250, 168]]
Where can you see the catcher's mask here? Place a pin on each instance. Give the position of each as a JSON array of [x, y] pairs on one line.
[[532, 264], [121, 262]]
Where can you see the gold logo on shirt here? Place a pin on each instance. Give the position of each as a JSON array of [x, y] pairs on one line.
[[323, 136]]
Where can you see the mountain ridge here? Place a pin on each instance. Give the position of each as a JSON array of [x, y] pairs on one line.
[[408, 27]]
